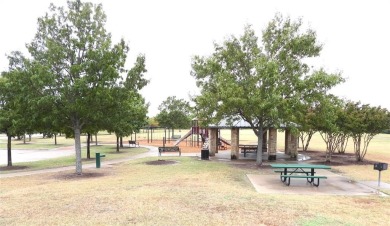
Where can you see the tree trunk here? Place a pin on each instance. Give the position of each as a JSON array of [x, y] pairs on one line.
[[9, 150], [24, 139], [89, 146], [117, 143], [55, 139], [357, 144], [309, 135], [29, 137], [77, 147], [121, 141], [96, 143], [259, 157]]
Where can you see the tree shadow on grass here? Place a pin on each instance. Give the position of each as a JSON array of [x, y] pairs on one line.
[[12, 168], [83, 176], [161, 162], [338, 159]]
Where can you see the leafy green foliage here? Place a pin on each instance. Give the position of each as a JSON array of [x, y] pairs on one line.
[[174, 113], [76, 75], [265, 86], [363, 122]]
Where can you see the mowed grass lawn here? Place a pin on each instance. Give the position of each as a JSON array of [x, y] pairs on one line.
[[189, 192], [108, 149]]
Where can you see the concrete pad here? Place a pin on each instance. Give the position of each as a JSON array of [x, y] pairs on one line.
[[333, 185]]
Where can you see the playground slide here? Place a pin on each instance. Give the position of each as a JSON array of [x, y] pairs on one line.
[[224, 141], [183, 137]]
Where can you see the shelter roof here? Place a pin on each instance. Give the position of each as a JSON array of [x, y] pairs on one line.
[[224, 124]]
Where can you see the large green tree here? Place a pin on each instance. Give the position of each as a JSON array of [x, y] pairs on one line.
[[174, 113], [16, 116], [6, 115], [79, 66], [261, 84], [327, 114], [306, 114], [363, 122]]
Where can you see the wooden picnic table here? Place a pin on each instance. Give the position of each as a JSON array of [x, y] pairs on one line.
[[245, 148], [288, 171]]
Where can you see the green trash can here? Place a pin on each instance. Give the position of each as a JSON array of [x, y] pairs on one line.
[[97, 157]]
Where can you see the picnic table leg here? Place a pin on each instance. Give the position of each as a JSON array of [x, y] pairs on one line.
[[311, 180], [288, 182], [283, 179], [318, 182]]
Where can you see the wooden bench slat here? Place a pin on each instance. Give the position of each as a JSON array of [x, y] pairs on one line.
[[169, 149]]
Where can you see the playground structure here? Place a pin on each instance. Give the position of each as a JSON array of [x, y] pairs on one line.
[[198, 134]]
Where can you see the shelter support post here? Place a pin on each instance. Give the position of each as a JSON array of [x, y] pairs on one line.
[[213, 134], [235, 137], [287, 138], [272, 140]]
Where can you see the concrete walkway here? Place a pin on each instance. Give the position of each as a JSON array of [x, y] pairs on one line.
[[153, 151], [32, 155], [335, 184]]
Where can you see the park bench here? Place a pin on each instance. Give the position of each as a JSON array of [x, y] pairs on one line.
[[169, 149], [133, 143], [309, 178]]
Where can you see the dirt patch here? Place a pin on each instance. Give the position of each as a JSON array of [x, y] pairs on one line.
[[316, 157], [338, 159], [161, 162], [74, 176]]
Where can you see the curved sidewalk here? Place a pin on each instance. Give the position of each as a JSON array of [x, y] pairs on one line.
[[153, 151]]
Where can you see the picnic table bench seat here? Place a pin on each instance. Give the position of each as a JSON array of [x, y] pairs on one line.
[[169, 149], [309, 178]]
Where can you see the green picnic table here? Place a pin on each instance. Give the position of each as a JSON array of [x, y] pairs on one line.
[[288, 171]]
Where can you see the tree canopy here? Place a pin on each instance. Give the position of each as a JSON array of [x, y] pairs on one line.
[[363, 122], [262, 84], [174, 113], [77, 74]]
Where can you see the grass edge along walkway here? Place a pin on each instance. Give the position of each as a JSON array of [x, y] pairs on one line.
[[152, 152]]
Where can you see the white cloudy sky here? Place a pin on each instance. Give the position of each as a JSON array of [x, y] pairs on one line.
[[355, 35]]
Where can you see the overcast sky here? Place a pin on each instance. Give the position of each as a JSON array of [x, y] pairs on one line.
[[355, 35]]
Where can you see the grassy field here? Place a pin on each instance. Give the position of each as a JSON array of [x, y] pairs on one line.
[[188, 192], [38, 143]]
